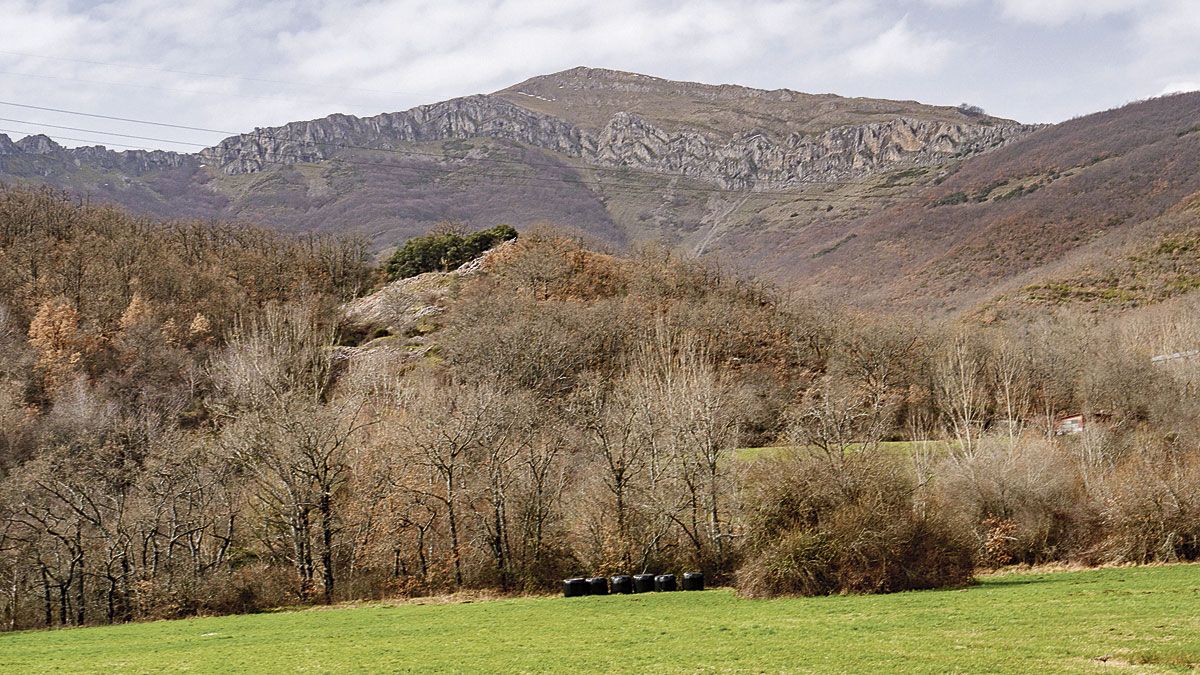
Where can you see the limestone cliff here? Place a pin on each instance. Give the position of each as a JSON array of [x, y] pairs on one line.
[[733, 137], [132, 162], [754, 161]]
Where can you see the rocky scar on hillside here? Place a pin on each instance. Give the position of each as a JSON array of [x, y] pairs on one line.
[[396, 320]]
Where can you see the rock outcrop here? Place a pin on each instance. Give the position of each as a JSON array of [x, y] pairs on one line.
[[460, 118], [131, 162], [628, 140], [37, 145]]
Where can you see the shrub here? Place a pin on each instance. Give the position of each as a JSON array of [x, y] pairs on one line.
[[817, 526], [252, 588], [953, 199], [1151, 507], [444, 251], [1024, 501]]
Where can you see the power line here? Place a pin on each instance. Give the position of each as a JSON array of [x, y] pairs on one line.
[[83, 140], [114, 118], [198, 92], [414, 153], [199, 74], [97, 131]]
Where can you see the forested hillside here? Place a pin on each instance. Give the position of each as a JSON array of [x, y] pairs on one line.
[[203, 418], [864, 201]]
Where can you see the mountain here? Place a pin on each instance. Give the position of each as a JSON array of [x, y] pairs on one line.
[[618, 156], [877, 202]]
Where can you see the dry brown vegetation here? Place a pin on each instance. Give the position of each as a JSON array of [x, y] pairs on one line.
[[183, 430]]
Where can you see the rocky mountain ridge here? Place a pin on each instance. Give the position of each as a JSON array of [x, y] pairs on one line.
[[756, 160], [879, 199], [752, 151], [135, 162]]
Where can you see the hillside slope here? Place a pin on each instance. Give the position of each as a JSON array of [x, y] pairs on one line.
[[1063, 199], [591, 97]]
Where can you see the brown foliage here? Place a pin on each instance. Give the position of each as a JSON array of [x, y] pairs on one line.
[[817, 527], [1023, 500], [55, 336], [96, 258], [557, 412], [1151, 507]]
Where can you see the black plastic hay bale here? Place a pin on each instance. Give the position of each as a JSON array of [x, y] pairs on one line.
[[575, 588], [693, 581], [664, 583], [622, 584], [598, 585], [643, 583]]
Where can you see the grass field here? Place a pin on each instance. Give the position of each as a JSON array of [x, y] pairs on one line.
[[898, 448], [1147, 619]]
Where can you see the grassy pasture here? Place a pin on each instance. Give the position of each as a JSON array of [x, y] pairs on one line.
[[898, 448], [1140, 619]]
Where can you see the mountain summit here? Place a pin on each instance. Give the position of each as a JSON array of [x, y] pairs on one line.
[[731, 137], [891, 202], [618, 155], [591, 97]]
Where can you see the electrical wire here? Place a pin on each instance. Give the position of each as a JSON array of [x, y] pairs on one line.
[[192, 73], [84, 140], [95, 131], [192, 92]]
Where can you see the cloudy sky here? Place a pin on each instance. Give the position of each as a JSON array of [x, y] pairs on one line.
[[236, 64]]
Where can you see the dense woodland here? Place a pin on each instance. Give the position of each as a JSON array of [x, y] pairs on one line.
[[189, 423]]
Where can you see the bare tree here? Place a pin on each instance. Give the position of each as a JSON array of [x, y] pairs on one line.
[[608, 416], [1009, 377], [691, 414], [960, 380], [288, 429], [444, 424], [838, 417]]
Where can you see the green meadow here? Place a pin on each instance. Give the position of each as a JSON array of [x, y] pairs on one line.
[[897, 448], [1139, 618]]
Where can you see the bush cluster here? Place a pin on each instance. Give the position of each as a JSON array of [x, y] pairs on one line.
[[816, 527], [444, 251]]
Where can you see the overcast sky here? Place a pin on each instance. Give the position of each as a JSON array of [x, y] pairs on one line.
[[236, 64]]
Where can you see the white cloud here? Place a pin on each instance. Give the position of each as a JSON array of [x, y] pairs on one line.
[[1168, 53], [1057, 12], [948, 4], [38, 25], [900, 49], [461, 44], [1048, 12], [1180, 87]]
